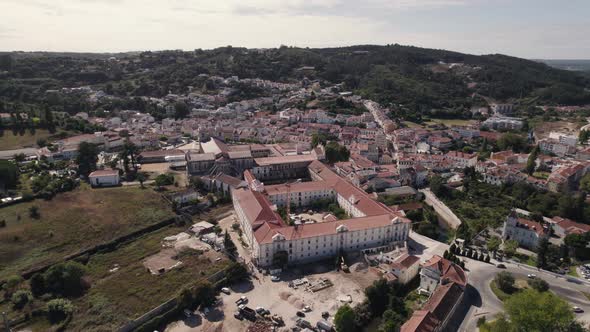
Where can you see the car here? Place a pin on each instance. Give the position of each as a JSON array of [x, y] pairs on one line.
[[238, 315], [260, 310], [531, 276], [578, 310], [300, 314], [242, 300], [325, 314], [306, 308], [187, 313], [501, 266], [225, 290], [275, 278]]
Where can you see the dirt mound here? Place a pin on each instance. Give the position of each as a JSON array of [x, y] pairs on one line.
[[285, 295]]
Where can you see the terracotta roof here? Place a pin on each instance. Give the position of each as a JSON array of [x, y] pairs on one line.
[[405, 261], [443, 299], [448, 270], [104, 172], [421, 321], [160, 153], [327, 228], [297, 187], [531, 225], [284, 159], [571, 226]]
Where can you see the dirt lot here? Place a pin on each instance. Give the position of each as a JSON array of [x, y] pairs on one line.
[[542, 129]]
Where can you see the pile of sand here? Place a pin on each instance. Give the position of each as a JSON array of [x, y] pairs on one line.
[[284, 295]]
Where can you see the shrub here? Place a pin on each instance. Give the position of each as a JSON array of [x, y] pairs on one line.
[[21, 298], [538, 284], [505, 281], [59, 309]]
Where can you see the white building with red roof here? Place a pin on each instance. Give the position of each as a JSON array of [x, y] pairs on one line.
[[372, 224], [104, 178], [524, 231]]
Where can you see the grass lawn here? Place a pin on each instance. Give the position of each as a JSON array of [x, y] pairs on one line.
[[10, 141], [519, 284], [73, 221], [541, 175], [573, 271]]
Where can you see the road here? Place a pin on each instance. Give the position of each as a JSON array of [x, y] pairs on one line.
[[485, 303], [441, 209]]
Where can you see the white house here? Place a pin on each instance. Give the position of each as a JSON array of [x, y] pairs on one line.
[[405, 268], [104, 178], [526, 232]]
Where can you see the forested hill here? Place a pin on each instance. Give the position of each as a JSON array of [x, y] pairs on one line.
[[418, 78]]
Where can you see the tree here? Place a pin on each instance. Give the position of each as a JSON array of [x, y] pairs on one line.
[[164, 179], [531, 161], [538, 284], [37, 284], [512, 141], [65, 279], [528, 310], [584, 136], [510, 247], [141, 177], [542, 250], [59, 309], [8, 175], [21, 298], [336, 152], [344, 320], [236, 272], [34, 212], [87, 158], [185, 299], [204, 294], [585, 183], [181, 110], [378, 296], [493, 244], [228, 243], [505, 281], [129, 155]]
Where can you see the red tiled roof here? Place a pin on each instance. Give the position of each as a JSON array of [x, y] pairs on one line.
[[104, 172], [405, 261], [421, 321], [448, 270]]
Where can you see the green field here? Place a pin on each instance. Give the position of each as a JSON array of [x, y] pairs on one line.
[[10, 141], [73, 221]]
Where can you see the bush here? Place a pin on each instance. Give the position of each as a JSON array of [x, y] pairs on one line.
[[63, 279], [538, 284], [59, 309], [21, 298], [505, 281]]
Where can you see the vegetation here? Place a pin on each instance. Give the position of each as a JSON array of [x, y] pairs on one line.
[[71, 222], [8, 175], [87, 158], [505, 281], [336, 152]]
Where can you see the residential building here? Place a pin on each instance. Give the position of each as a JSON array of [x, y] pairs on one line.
[[104, 178]]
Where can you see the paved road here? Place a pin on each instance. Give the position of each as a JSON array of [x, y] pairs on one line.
[[485, 303], [441, 209]]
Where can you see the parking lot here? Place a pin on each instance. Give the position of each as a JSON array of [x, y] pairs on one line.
[[284, 301]]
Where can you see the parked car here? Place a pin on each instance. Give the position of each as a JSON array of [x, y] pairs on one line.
[[187, 313], [238, 315], [242, 300], [531, 276], [225, 290], [304, 324], [300, 314], [578, 310], [260, 310], [275, 278], [306, 308], [501, 266]]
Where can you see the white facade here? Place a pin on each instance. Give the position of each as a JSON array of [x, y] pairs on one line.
[[104, 180]]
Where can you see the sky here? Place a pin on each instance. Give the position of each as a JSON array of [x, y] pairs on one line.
[[539, 29]]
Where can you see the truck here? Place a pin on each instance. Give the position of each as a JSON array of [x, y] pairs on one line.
[[248, 313], [323, 325]]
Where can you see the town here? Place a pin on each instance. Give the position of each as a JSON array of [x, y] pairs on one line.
[[249, 204]]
